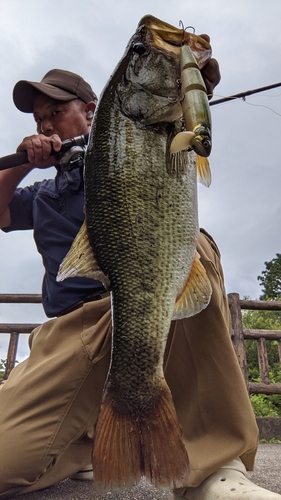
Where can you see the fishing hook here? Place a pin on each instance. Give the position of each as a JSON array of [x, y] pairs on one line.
[[181, 25]]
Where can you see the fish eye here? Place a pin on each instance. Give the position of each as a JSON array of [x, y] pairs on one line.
[[206, 143], [139, 48]]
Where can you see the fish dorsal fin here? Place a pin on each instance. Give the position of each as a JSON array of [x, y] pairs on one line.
[[196, 293], [203, 170], [80, 260]]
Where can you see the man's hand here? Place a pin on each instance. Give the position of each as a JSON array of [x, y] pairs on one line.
[[211, 72], [40, 149]]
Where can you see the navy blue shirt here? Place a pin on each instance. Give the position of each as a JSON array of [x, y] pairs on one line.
[[53, 208]]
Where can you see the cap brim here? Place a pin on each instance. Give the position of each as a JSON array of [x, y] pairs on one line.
[[24, 94]]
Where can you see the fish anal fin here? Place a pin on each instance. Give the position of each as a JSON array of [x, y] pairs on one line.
[[80, 260], [203, 170], [148, 444], [196, 294]]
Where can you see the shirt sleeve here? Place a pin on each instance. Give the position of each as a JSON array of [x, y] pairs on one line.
[[21, 209]]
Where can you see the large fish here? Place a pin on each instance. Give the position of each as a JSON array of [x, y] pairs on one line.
[[139, 238]]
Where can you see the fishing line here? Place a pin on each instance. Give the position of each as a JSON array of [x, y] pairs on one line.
[[231, 97], [261, 106], [250, 103]]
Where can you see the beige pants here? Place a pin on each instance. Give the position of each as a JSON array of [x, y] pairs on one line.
[[52, 399]]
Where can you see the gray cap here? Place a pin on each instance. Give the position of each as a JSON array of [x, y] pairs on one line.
[[59, 84]]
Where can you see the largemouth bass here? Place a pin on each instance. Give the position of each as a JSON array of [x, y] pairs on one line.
[[139, 239]]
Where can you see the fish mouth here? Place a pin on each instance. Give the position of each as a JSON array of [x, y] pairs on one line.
[[169, 38]]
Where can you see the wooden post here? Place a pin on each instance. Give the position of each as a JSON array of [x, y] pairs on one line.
[[11, 355], [237, 334], [279, 349], [263, 361]]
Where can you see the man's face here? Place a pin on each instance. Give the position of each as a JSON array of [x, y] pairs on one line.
[[66, 119]]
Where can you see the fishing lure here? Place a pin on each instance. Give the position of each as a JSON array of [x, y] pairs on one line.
[[196, 113]]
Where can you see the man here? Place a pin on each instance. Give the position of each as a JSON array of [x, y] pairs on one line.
[[50, 403]]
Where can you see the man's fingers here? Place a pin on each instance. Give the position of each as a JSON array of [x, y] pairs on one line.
[[211, 75]]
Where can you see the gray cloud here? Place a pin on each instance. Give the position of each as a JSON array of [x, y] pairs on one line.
[[241, 209]]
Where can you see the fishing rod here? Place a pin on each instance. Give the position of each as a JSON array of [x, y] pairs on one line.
[[70, 146], [242, 95], [17, 159]]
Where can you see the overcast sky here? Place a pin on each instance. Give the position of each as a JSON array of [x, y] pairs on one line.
[[241, 209]]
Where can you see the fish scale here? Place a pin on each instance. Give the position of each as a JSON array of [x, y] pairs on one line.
[[138, 257], [139, 238], [141, 214]]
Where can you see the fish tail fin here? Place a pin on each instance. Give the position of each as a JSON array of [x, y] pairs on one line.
[[148, 444], [203, 170], [183, 140]]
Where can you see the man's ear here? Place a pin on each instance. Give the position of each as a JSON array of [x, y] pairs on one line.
[[90, 109]]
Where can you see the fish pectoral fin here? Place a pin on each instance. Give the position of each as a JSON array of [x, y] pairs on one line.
[[81, 261], [147, 442], [203, 170], [183, 140], [196, 294]]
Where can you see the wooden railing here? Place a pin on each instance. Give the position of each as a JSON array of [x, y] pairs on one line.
[[15, 329], [238, 336], [260, 336]]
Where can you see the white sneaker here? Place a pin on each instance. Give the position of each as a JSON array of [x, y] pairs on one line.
[[228, 483], [85, 474]]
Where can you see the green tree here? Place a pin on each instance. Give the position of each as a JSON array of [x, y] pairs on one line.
[[2, 368], [262, 320], [263, 405], [270, 279]]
